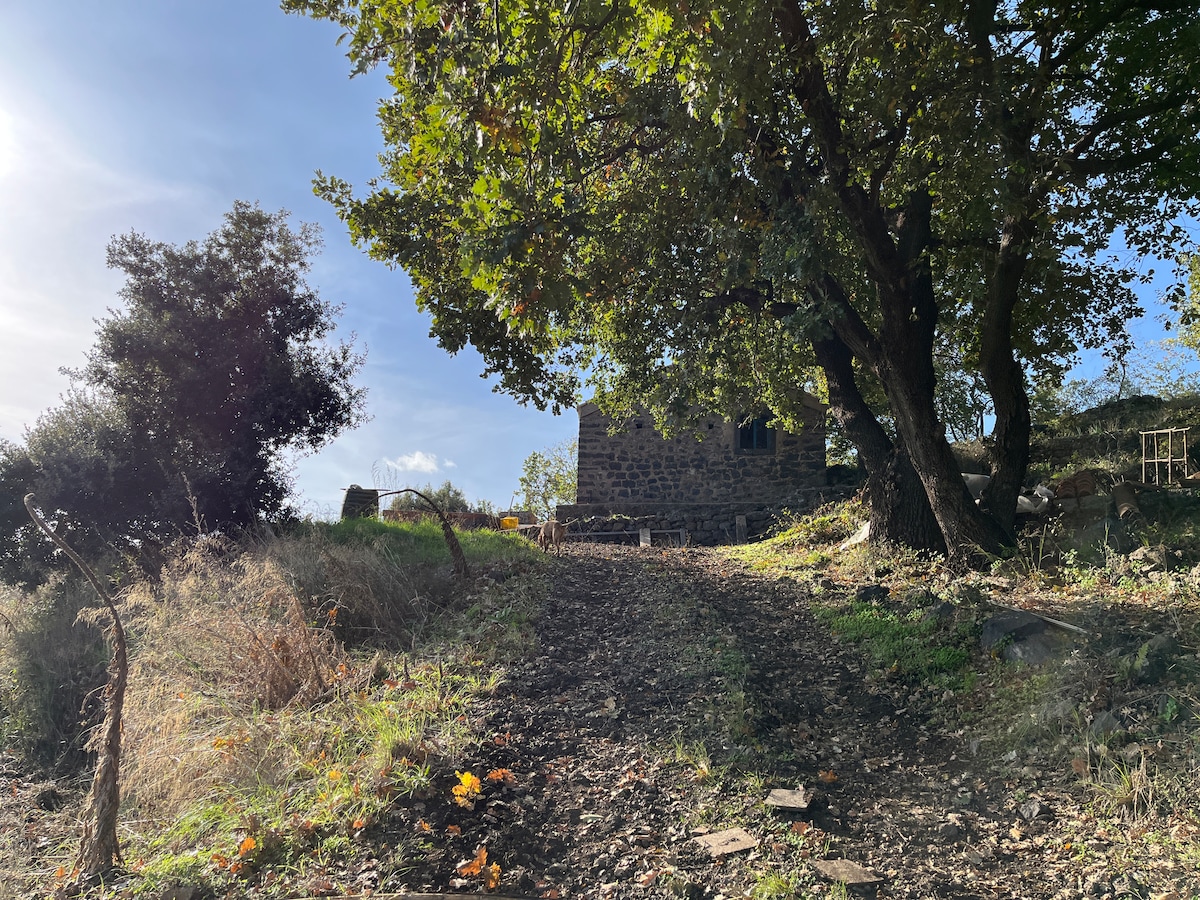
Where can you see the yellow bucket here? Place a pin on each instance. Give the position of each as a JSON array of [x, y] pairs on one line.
[[509, 522]]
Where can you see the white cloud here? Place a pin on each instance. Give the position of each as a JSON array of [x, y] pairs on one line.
[[420, 461]]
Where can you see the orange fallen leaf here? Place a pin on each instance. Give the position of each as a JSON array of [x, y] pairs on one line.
[[473, 866], [246, 846], [220, 861], [504, 775], [422, 825], [551, 894], [453, 829], [828, 776]]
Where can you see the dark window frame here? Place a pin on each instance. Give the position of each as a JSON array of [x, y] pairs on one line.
[[754, 435]]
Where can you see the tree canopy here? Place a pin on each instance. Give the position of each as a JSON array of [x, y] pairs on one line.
[[694, 202], [216, 366]]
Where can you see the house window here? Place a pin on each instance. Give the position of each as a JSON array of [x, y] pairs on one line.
[[755, 436]]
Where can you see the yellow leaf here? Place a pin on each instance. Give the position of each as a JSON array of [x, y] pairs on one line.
[[334, 774], [491, 877], [467, 789]]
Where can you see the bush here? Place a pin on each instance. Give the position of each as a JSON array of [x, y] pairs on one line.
[[52, 666]]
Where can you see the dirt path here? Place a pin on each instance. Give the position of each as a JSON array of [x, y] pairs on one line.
[[669, 693]]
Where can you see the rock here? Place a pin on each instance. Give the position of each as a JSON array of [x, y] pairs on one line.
[[1032, 809], [871, 593], [948, 831], [1036, 650], [1020, 637], [1106, 724], [847, 872], [1011, 625], [939, 612], [731, 840], [1153, 559], [786, 799]]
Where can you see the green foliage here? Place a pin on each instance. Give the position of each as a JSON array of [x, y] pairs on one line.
[[51, 666], [422, 542], [550, 478], [447, 497], [216, 365]]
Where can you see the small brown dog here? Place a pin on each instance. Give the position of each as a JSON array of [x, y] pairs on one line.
[[551, 532]]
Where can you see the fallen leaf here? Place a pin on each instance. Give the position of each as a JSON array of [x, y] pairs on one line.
[[453, 829], [491, 877], [473, 866], [467, 790], [246, 846], [827, 776]]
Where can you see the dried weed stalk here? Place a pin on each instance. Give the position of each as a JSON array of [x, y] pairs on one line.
[[99, 848]]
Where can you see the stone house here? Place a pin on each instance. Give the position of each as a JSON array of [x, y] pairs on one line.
[[719, 482]]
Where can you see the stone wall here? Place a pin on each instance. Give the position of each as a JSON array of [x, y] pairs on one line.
[[636, 465], [690, 524], [698, 482]]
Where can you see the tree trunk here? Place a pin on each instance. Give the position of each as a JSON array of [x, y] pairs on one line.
[[899, 507], [902, 358], [1003, 375]]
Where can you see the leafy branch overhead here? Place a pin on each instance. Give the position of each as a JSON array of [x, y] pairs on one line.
[[694, 203]]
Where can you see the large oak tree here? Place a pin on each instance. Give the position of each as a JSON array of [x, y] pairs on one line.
[[693, 201]]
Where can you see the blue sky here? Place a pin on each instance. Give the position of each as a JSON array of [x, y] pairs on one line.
[[154, 116]]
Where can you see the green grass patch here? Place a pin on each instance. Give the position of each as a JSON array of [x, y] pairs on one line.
[[910, 643]]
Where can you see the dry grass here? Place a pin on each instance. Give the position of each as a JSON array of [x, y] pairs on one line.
[[285, 688]]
